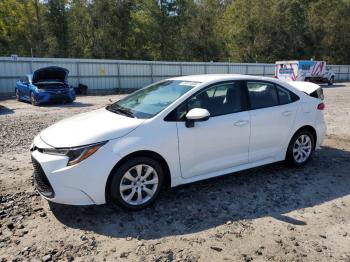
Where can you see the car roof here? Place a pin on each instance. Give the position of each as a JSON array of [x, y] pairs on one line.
[[213, 78], [219, 77]]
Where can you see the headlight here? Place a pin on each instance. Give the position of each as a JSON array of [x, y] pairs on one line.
[[76, 154]]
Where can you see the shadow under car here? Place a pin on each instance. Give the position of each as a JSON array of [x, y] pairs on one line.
[[271, 190]]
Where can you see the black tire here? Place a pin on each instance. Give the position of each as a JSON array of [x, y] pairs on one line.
[[331, 81], [117, 176], [33, 100], [18, 96], [291, 159]]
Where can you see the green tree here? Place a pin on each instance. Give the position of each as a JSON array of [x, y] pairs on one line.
[[190, 30], [155, 27], [329, 21], [245, 28], [80, 29], [200, 37], [13, 28], [265, 31], [35, 34], [57, 28], [111, 28]]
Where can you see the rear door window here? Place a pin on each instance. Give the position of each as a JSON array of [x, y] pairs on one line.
[[262, 94], [285, 96], [318, 94]]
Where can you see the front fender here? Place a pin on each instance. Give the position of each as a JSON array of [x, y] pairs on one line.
[[33, 89]]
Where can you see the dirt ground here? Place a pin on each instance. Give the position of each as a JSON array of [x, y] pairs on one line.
[[270, 213]]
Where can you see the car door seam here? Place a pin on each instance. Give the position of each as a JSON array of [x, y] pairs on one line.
[[178, 148]]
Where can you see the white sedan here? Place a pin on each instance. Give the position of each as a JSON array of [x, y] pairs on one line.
[[174, 132]]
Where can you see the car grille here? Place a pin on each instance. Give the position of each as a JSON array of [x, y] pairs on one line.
[[57, 98], [41, 182]]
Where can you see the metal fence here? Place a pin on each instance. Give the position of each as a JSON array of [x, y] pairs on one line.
[[102, 75]]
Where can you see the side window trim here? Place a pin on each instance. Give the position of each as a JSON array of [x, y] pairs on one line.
[[278, 97], [245, 104]]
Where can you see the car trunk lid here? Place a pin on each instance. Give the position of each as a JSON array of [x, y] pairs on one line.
[[311, 89]]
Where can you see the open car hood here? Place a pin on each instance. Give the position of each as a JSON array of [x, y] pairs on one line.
[[50, 74], [306, 87]]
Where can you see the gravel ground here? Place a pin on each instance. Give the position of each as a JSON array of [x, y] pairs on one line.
[[270, 213]]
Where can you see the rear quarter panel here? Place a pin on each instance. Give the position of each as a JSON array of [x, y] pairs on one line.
[[307, 115]]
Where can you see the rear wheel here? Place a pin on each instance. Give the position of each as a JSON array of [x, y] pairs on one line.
[[300, 148], [331, 81], [18, 96], [136, 183]]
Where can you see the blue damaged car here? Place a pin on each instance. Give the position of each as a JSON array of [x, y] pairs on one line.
[[46, 85]]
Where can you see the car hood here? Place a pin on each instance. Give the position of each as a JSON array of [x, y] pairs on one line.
[[50, 74], [88, 128]]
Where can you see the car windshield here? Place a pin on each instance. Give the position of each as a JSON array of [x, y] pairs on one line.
[[153, 99]]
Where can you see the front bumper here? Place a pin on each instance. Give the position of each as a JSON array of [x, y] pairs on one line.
[[80, 184], [54, 97]]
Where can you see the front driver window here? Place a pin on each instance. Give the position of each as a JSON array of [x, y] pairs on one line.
[[220, 99]]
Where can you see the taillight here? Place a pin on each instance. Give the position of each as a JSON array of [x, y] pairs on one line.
[[321, 106]]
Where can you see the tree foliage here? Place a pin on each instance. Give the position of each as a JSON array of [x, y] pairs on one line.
[[178, 30]]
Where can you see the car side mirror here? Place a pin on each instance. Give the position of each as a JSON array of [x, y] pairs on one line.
[[195, 115]]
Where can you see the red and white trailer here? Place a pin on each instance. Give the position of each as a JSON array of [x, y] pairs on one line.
[[304, 70]]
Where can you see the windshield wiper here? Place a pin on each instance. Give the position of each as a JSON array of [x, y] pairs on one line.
[[121, 110]]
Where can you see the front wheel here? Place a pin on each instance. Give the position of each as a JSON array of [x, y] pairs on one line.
[[136, 183], [331, 81], [18, 96], [300, 148], [33, 100]]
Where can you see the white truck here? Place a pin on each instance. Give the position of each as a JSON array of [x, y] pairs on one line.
[[304, 70]]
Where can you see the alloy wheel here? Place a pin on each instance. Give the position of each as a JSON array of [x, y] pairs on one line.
[[139, 184], [302, 148]]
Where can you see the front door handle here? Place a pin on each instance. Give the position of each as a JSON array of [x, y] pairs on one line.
[[287, 113], [241, 123]]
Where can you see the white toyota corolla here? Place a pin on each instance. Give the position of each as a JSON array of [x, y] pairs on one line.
[[174, 132]]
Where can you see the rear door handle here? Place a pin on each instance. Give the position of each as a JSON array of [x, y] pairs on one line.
[[287, 113], [241, 123]]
